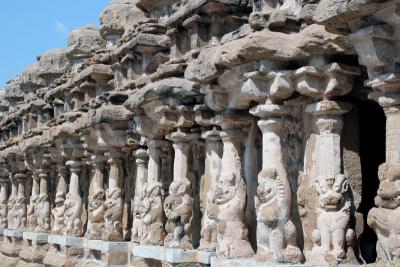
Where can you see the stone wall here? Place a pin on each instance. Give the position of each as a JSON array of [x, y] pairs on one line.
[[204, 133]]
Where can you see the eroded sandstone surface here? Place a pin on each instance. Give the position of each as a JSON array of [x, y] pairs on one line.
[[208, 133]]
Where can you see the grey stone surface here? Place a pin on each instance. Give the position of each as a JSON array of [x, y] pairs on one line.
[[199, 129], [170, 255], [68, 241]]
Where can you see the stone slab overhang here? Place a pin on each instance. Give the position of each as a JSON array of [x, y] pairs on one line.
[[171, 87], [312, 41], [347, 15], [193, 6], [95, 72], [144, 42]]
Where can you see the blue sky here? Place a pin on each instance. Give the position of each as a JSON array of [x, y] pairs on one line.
[[30, 27]]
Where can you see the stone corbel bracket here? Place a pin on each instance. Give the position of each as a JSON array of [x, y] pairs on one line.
[[325, 83]]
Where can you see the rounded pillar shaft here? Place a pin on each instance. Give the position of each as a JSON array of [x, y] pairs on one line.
[[97, 180], [328, 145], [180, 160], [35, 184], [115, 178], [392, 134], [272, 147], [141, 171], [62, 184], [213, 156], [154, 169], [231, 161]]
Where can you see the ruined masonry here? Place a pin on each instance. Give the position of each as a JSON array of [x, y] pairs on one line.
[[219, 133]]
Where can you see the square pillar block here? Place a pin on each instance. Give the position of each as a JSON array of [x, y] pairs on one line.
[[64, 251], [35, 249], [171, 256], [104, 253]]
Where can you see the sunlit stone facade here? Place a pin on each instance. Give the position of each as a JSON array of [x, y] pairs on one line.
[[208, 133]]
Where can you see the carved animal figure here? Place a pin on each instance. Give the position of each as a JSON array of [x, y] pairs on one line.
[[19, 213], [388, 195], [178, 210], [232, 235], [42, 211], [208, 232], [113, 215], [72, 217], [151, 212], [333, 220], [384, 219], [96, 215], [3, 213], [32, 218], [138, 228], [58, 213], [276, 233], [11, 209]]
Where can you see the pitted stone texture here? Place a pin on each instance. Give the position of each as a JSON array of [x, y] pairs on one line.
[[68, 241], [173, 256], [35, 237], [250, 262], [114, 18], [13, 233], [84, 40]]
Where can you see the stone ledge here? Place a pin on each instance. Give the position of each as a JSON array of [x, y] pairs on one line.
[[17, 233], [171, 255], [252, 262], [68, 241], [34, 236], [2, 231], [105, 246]]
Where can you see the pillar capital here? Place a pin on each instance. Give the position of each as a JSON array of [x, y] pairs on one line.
[[268, 110], [180, 136], [211, 135]]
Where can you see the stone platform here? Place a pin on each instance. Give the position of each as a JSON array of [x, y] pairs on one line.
[[172, 256], [64, 251], [35, 237], [103, 253], [252, 262], [17, 233], [35, 249]]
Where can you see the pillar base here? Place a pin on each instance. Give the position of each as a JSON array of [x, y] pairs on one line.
[[104, 253], [64, 251], [12, 244], [35, 249], [252, 262], [170, 256]]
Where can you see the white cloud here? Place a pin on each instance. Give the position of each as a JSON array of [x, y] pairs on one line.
[[61, 28]]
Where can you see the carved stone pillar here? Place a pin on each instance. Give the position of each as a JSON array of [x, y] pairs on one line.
[[113, 203], [32, 218], [11, 202], [276, 233], [3, 203], [385, 218], [140, 187], [42, 209], [333, 238], [178, 205], [73, 201], [96, 208], [208, 233], [58, 211], [151, 207], [154, 151], [232, 236], [19, 213]]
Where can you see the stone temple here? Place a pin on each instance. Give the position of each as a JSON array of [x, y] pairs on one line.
[[208, 133]]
